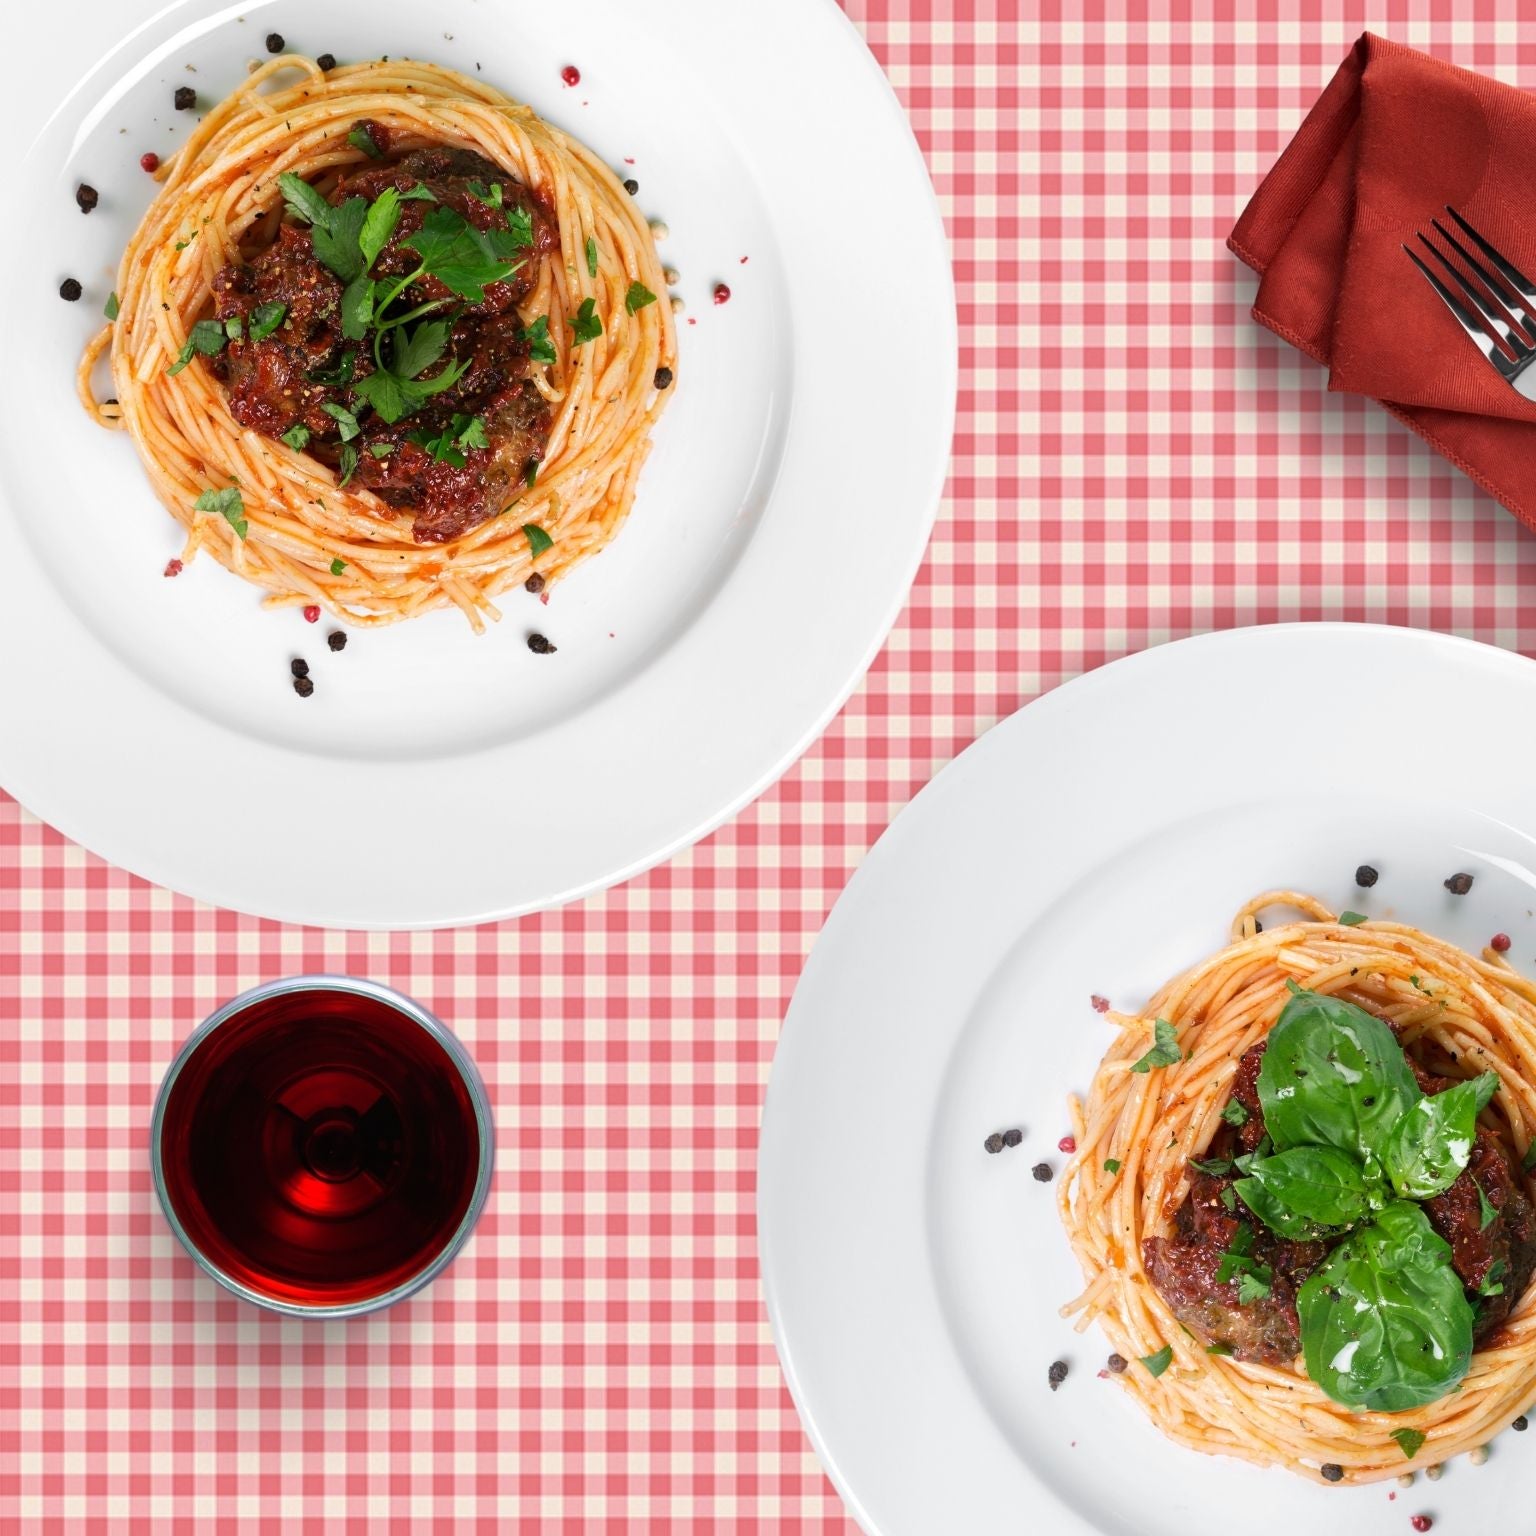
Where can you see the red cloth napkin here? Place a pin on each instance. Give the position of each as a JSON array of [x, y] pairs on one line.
[[1395, 137]]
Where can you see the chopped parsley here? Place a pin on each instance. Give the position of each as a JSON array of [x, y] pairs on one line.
[[1529, 1160], [360, 138], [112, 308], [591, 257], [227, 504], [1487, 1211], [381, 450], [638, 297], [1351, 919], [1229, 1197], [490, 196], [1217, 1167], [1409, 1441], [297, 437], [338, 566], [520, 222], [1112, 1165], [265, 319], [531, 473], [348, 464], [541, 347], [538, 540], [345, 421], [1220, 1347], [588, 324], [462, 435], [1165, 1050], [234, 328], [1493, 1281], [1158, 1363], [207, 337], [1254, 1286], [1235, 1114]]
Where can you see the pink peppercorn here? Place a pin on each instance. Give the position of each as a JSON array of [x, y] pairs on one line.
[[571, 75], [173, 567], [1500, 942], [150, 161], [1100, 1004], [1067, 1144], [1421, 1522], [312, 613], [722, 293]]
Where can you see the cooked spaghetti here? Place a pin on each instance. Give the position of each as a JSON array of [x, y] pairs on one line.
[[293, 511], [1131, 1194]]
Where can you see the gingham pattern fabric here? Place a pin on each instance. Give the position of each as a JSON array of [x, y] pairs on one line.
[[1135, 461]]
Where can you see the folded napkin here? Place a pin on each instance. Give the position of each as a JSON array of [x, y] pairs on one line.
[[1394, 138]]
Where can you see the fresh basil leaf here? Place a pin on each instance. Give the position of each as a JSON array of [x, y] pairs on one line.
[[338, 565], [418, 351], [1254, 1285], [638, 297], [541, 348], [361, 138], [538, 540], [336, 245], [379, 225], [520, 222], [348, 464], [228, 504], [1429, 1145], [1409, 1441], [419, 194], [343, 418], [304, 202], [207, 337], [1158, 1363], [1217, 1167], [1352, 919], [1111, 1164], [1493, 1281], [381, 450], [357, 307], [591, 257], [1306, 1192], [1235, 1114], [1333, 1075], [588, 324], [1229, 1197], [265, 319], [1385, 1325], [1487, 1211], [234, 328], [112, 308], [1165, 1050], [297, 437]]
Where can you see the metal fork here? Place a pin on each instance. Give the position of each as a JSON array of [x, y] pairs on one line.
[[1511, 288]]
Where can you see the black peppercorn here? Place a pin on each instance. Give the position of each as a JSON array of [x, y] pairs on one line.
[[1521, 1424], [303, 686], [70, 290], [631, 186], [185, 98], [1459, 885], [275, 43], [663, 378], [540, 646], [1011, 1138], [534, 584], [1117, 1364], [993, 1143], [326, 61], [1042, 1173], [1057, 1373], [86, 197], [299, 667], [1332, 1471], [337, 640], [1366, 876]]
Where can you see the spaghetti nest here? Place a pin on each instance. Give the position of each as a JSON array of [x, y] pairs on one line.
[[305, 538], [1130, 1174]]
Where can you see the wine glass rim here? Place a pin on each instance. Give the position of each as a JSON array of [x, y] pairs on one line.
[[452, 1046]]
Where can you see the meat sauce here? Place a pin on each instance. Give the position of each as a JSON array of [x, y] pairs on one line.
[[1183, 1265], [287, 379]]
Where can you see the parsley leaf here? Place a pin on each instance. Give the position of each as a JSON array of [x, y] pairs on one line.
[[357, 307], [1165, 1050], [458, 255], [520, 222], [531, 473], [265, 319], [393, 397], [1254, 1285], [1409, 1441], [336, 245], [207, 337], [538, 540], [588, 325], [1112, 1165], [303, 201], [1220, 1347], [1229, 1197], [591, 257], [234, 328], [1351, 919], [541, 347], [1235, 1114], [450, 445], [419, 194], [360, 138], [338, 565], [421, 348], [339, 376], [1158, 1363], [112, 308], [227, 504], [1487, 1211], [489, 195], [638, 297], [343, 418], [1217, 1167], [473, 436], [348, 464], [381, 450], [297, 437], [379, 224]]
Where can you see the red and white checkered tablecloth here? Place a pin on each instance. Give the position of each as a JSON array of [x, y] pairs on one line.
[[1135, 461]]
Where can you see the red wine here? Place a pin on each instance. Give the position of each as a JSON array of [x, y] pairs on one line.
[[319, 1144]]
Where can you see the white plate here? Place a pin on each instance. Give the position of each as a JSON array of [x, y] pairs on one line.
[[1096, 842], [435, 777]]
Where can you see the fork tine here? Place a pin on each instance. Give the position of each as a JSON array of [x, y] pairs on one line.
[[1496, 321], [1507, 270], [1485, 343]]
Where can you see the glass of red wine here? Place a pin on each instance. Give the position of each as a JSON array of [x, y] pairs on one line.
[[322, 1146]]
